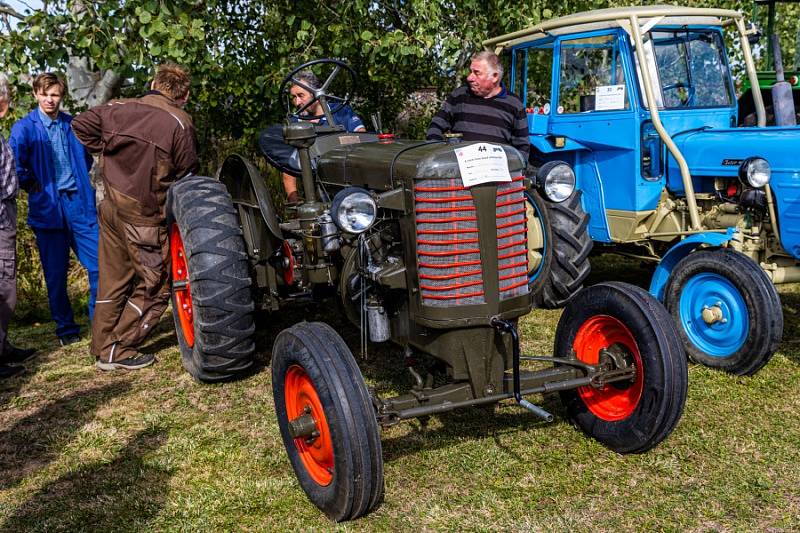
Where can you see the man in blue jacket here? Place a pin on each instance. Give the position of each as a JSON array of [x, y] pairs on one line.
[[53, 167]]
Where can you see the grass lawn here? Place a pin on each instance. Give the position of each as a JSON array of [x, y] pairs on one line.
[[152, 450]]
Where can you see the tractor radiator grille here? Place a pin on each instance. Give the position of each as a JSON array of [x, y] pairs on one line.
[[512, 239], [449, 255]]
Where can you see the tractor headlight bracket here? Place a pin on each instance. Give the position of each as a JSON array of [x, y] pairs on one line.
[[755, 172], [354, 210]]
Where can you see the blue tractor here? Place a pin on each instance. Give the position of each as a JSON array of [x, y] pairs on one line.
[[640, 103]]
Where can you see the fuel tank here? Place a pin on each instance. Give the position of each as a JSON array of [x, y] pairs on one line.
[[382, 165]]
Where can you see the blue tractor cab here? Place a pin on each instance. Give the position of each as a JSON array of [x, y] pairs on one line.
[[640, 101]]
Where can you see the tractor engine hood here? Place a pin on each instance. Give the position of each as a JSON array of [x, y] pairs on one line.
[[382, 166], [719, 153]]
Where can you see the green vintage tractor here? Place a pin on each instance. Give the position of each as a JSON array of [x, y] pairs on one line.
[[415, 256], [775, 68]]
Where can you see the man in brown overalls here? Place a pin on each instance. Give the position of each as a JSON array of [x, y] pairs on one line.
[[146, 144]]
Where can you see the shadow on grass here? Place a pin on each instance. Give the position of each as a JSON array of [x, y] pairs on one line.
[[790, 302], [472, 423], [124, 494], [269, 325], [160, 341], [34, 441], [613, 267], [10, 387]]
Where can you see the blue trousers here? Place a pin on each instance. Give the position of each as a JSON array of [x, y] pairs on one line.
[[79, 234]]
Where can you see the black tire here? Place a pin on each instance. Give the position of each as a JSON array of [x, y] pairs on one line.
[[216, 335], [565, 257], [626, 417], [314, 355], [748, 325]]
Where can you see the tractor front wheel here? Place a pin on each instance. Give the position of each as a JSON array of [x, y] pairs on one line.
[[622, 326], [728, 312], [327, 421]]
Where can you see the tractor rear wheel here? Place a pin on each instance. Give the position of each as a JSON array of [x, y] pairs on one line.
[[327, 421], [211, 300], [611, 323], [558, 249], [728, 311]]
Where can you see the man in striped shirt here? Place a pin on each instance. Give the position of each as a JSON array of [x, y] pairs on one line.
[[483, 110]]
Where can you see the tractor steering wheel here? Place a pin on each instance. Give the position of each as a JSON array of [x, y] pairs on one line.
[[684, 102], [320, 95]]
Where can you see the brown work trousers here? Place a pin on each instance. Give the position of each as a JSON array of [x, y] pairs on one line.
[[133, 289]]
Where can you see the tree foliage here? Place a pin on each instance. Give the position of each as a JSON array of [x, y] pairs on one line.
[[240, 50]]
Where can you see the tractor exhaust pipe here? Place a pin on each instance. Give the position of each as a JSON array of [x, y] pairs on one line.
[[782, 99]]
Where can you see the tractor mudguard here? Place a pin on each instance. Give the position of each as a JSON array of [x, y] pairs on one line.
[[660, 277], [257, 215]]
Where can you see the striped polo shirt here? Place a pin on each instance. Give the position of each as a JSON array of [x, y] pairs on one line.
[[499, 119]]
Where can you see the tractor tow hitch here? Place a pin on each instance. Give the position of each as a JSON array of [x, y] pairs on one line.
[[508, 327]]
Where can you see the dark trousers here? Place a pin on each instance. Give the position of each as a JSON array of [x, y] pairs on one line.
[[8, 269], [133, 290], [54, 245]]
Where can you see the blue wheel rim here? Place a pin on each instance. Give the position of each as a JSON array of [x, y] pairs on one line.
[[725, 336], [532, 275]]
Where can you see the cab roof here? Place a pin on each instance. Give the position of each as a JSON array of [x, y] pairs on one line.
[[617, 17]]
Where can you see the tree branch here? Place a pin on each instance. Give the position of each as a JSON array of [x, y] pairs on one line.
[[8, 10]]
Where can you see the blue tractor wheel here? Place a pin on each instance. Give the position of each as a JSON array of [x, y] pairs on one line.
[[727, 309], [558, 249]]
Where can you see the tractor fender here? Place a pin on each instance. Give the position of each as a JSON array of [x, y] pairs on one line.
[[253, 202], [660, 277]]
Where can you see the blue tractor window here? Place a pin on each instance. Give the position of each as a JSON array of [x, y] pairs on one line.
[[592, 78], [692, 69], [533, 74]]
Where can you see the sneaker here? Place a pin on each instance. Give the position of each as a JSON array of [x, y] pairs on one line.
[[136, 362], [6, 371], [15, 354], [69, 338]]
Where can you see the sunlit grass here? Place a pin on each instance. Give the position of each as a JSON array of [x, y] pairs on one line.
[[154, 451]]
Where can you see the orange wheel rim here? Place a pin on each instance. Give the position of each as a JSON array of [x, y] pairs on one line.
[[180, 285], [301, 398], [614, 401]]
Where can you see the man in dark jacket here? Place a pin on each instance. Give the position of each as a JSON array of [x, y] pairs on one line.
[[482, 110], [147, 144], [8, 249], [53, 168]]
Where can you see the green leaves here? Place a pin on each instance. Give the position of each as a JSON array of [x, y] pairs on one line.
[[239, 50]]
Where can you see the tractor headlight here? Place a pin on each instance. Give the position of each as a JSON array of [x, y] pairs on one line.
[[354, 210], [557, 180], [755, 172]]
